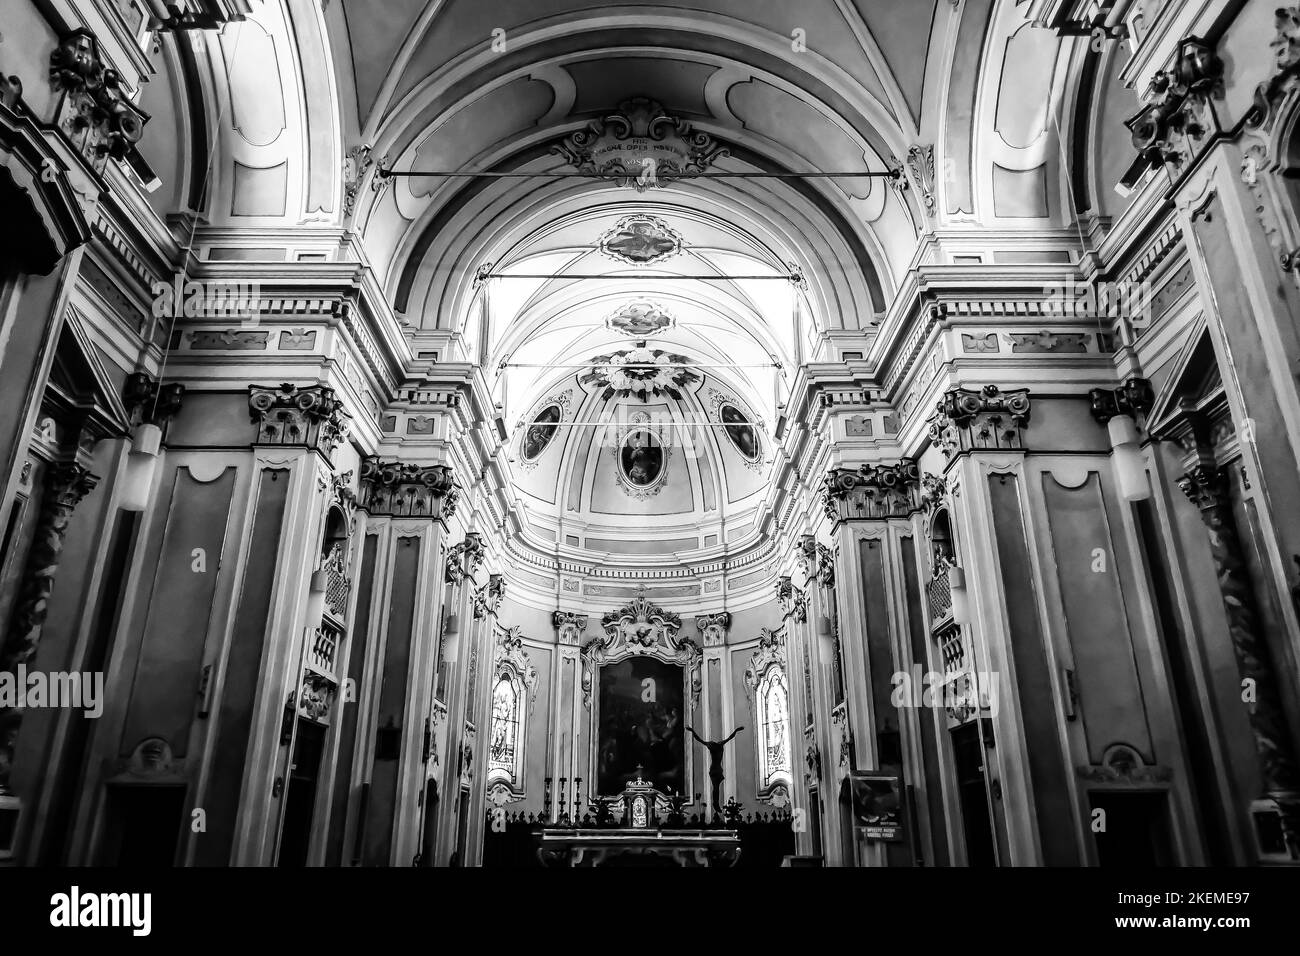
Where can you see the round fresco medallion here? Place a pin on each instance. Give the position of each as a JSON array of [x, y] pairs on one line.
[[540, 432], [740, 431], [641, 458]]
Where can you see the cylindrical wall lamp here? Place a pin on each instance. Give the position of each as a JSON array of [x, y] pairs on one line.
[[141, 463], [451, 638], [1130, 468], [960, 600]]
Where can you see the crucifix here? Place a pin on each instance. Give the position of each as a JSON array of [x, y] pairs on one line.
[[715, 748]]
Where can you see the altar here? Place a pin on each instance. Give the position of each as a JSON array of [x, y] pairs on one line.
[[640, 827], [631, 846]]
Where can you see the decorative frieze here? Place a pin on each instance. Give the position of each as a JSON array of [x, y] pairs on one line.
[[793, 601], [1134, 398], [713, 628], [463, 559], [872, 491], [985, 420], [403, 489], [488, 598], [569, 627], [94, 111], [288, 415]]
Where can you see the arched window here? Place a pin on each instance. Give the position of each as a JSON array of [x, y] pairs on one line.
[[504, 750], [774, 728]]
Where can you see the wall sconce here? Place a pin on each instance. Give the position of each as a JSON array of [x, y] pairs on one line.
[[141, 463], [825, 640], [320, 579], [450, 638], [1130, 469], [960, 600]]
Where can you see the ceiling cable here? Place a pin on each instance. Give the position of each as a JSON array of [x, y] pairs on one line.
[[638, 365], [689, 277], [895, 174]]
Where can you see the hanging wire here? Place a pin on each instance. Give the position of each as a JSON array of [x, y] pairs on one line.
[[194, 221]]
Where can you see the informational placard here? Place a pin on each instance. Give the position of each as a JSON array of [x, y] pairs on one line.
[[877, 806]]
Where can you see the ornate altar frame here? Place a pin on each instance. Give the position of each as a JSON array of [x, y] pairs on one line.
[[643, 629]]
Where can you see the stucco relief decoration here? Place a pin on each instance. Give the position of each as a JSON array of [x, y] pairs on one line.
[[463, 559], [404, 489], [488, 598], [289, 415], [511, 655], [1180, 120], [1261, 150], [640, 241], [770, 650], [985, 420], [842, 731], [816, 561], [640, 318], [94, 110], [641, 628], [643, 372], [713, 628], [569, 626], [872, 491], [793, 601], [640, 145]]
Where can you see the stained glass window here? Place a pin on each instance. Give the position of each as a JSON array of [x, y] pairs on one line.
[[774, 725], [504, 749]]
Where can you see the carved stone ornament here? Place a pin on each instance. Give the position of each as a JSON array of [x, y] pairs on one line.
[[404, 490], [872, 491], [1180, 120], [713, 628], [289, 415], [94, 111], [793, 601], [488, 598], [463, 559], [985, 420], [316, 697], [569, 627], [641, 628], [770, 650], [640, 145]]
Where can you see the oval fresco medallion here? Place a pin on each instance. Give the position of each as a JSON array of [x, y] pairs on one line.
[[540, 432]]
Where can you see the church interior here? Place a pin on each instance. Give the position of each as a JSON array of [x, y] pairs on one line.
[[477, 433]]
